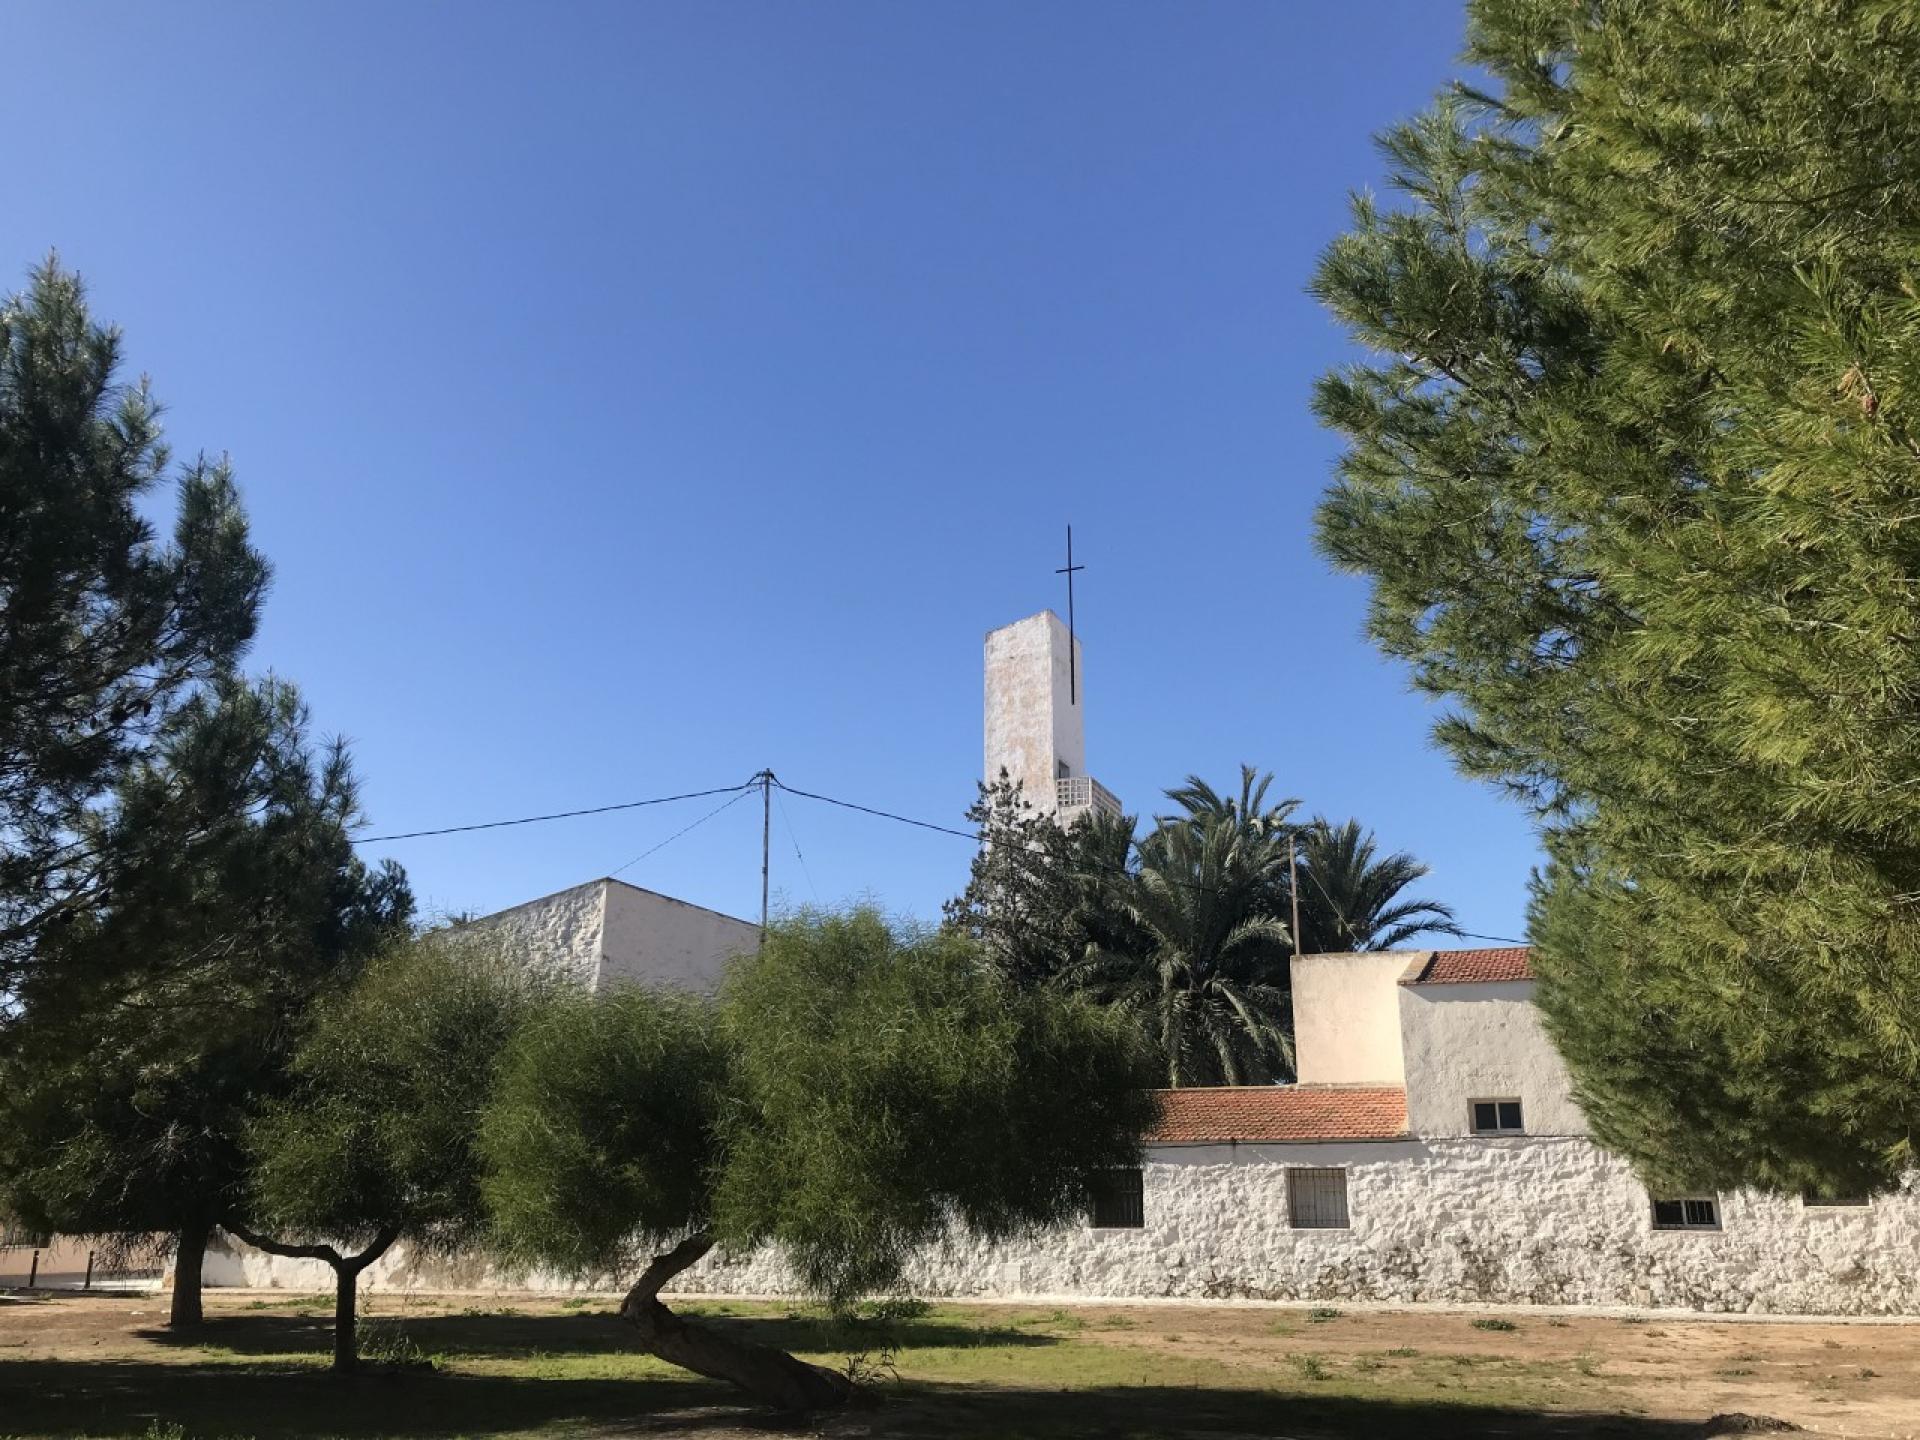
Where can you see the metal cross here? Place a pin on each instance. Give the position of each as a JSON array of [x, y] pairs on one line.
[[1069, 570]]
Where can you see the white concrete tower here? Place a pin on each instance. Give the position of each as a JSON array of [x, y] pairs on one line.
[[1035, 731]]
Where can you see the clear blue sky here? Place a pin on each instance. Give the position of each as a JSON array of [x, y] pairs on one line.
[[630, 396]]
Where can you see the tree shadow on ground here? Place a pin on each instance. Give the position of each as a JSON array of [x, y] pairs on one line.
[[126, 1397], [1127, 1412], [505, 1335]]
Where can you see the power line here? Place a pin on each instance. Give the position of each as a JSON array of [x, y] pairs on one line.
[[744, 791], [805, 870], [557, 815], [883, 814], [739, 792]]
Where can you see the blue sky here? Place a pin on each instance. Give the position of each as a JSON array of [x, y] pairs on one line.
[[633, 396]]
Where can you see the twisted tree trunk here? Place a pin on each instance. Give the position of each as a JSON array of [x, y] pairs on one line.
[[346, 1284], [767, 1374]]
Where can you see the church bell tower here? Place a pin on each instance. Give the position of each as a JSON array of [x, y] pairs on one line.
[[1035, 730]]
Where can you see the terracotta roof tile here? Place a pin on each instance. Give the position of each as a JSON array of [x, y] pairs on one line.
[[1474, 967], [1280, 1113]]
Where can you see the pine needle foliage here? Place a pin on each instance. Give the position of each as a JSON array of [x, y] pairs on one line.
[[105, 629], [1635, 476]]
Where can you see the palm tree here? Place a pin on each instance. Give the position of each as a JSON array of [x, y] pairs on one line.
[[1194, 939], [1350, 894], [1200, 951]]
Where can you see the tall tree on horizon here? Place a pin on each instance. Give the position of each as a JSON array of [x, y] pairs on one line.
[[1633, 472], [104, 630]]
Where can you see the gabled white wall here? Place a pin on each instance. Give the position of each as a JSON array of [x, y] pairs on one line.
[[1346, 1018], [561, 931], [1481, 1042], [653, 939]]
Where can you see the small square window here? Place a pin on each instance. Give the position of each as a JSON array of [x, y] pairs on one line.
[[1317, 1198], [1497, 1117], [1686, 1212], [1117, 1200], [1832, 1200]]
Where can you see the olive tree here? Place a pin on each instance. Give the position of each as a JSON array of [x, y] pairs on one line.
[[375, 1142], [858, 1092]]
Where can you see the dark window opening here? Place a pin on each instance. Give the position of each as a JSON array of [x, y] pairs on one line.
[[1316, 1198], [1117, 1199], [1687, 1212], [1497, 1117], [1832, 1200]]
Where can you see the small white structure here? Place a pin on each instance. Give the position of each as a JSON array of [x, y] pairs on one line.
[[1036, 719], [606, 932]]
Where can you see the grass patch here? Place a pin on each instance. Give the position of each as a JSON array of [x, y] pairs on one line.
[[1494, 1322], [1320, 1314]]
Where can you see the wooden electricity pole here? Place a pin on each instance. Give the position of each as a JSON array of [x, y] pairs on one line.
[[765, 777], [1293, 885]]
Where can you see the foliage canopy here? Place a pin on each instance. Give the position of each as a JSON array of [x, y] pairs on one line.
[[858, 1088], [1634, 477]]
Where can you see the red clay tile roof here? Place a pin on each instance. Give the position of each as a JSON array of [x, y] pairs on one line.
[[1279, 1113], [1473, 967]]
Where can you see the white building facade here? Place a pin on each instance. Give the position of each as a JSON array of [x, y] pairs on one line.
[[1432, 1152]]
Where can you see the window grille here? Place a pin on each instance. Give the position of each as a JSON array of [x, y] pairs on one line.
[[1686, 1212], [1497, 1117], [1317, 1199], [1118, 1200]]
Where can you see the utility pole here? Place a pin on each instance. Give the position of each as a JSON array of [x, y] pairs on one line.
[[1293, 885], [765, 777]]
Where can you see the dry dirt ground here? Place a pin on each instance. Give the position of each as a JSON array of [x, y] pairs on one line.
[[501, 1366]]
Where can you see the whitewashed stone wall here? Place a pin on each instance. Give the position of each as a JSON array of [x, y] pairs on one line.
[[1451, 1221], [562, 930]]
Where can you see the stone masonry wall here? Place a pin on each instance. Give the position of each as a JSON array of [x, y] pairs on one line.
[[1511, 1221]]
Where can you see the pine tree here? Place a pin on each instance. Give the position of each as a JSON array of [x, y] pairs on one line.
[[1635, 478], [104, 631], [165, 1018]]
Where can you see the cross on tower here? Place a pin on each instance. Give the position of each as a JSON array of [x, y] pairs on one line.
[[1069, 570]]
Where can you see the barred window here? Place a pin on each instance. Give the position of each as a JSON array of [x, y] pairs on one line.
[[1686, 1212], [1316, 1198], [1118, 1200], [1497, 1117]]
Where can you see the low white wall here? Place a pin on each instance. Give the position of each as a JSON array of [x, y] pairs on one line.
[[1525, 1221]]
